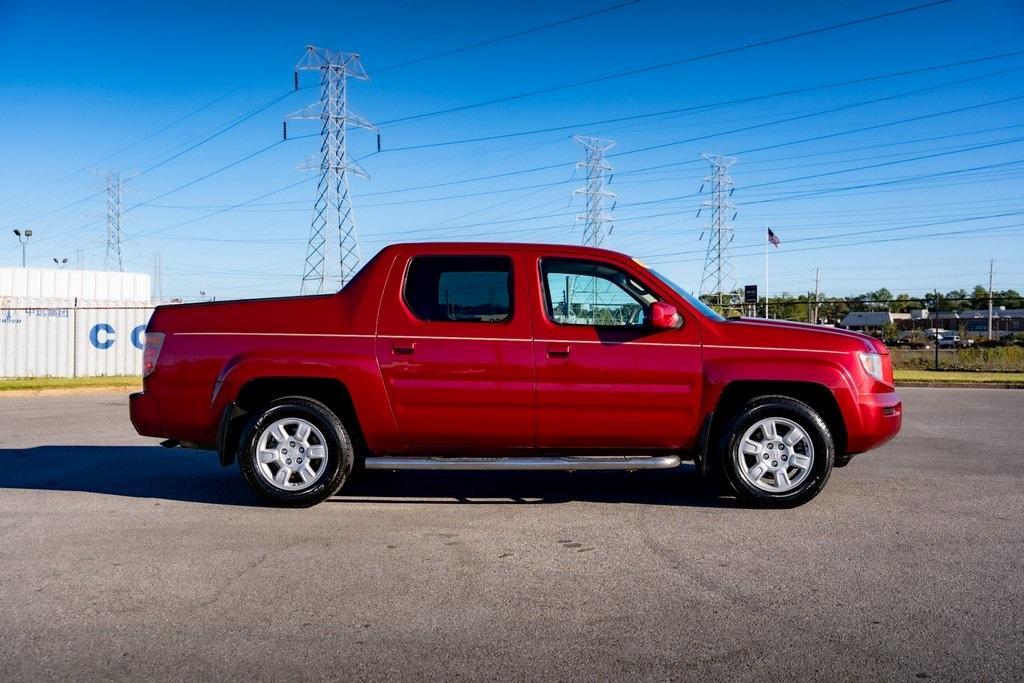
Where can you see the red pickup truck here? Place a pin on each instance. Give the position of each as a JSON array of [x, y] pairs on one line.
[[510, 357]]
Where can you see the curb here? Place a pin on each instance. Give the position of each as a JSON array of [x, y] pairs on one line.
[[961, 385]]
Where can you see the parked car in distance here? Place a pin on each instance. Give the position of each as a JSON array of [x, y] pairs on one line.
[[906, 340], [510, 357]]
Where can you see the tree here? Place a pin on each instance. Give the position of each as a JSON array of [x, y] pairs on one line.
[[979, 297], [904, 304]]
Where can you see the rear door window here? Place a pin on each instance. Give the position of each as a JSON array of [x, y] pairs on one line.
[[460, 288]]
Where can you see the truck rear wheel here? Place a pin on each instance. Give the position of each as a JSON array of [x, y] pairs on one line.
[[295, 452], [776, 452]]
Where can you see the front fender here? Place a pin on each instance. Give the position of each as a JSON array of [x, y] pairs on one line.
[[830, 371]]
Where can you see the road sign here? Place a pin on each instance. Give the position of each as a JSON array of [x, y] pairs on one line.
[[750, 294]]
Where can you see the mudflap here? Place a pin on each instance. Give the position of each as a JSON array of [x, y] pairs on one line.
[[228, 432], [703, 444]]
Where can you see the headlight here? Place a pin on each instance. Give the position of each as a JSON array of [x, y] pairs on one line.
[[872, 364]]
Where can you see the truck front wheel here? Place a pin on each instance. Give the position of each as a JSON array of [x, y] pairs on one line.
[[295, 452], [776, 452]]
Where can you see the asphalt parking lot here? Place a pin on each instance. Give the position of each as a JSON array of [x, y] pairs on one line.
[[121, 559]]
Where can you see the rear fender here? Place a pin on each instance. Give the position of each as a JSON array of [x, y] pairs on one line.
[[356, 371]]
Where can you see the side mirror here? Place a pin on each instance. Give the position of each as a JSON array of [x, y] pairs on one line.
[[665, 316]]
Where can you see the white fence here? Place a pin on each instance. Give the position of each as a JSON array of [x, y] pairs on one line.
[[62, 338]]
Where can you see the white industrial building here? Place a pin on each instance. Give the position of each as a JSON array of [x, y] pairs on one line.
[[72, 323], [87, 285]]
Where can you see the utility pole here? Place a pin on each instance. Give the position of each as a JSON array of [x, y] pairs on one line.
[[80, 258], [595, 220], [112, 259], [718, 276], [817, 288], [991, 269], [333, 205]]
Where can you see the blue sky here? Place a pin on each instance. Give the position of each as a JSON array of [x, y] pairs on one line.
[[88, 88]]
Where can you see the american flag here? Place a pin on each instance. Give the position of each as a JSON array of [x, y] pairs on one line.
[[773, 238]]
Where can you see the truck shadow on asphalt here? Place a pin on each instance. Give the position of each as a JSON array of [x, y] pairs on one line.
[[197, 477]]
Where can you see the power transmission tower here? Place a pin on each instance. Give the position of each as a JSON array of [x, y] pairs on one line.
[[595, 219], [115, 189], [718, 278], [80, 258], [333, 205], [158, 276], [589, 295]]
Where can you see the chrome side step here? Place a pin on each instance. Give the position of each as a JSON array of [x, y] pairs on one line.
[[526, 463]]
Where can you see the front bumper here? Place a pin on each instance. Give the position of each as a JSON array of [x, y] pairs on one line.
[[145, 415], [881, 416]]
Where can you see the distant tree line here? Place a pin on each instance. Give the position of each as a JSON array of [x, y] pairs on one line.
[[800, 306]]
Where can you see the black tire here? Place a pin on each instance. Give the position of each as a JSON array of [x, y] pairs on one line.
[[755, 410], [337, 463]]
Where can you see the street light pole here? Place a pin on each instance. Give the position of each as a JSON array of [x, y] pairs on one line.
[[23, 240]]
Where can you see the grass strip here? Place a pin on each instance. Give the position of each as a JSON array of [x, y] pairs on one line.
[[41, 383], [958, 377]]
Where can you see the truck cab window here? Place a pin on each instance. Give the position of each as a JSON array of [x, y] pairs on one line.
[[460, 288], [595, 294]]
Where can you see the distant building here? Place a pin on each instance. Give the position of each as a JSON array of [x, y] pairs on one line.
[[72, 323], [1004, 320], [973, 322], [85, 285], [874, 321]]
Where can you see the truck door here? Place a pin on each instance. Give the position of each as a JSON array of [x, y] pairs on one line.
[[454, 346], [605, 379]]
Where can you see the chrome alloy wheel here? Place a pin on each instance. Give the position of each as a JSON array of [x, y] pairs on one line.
[[775, 455], [290, 454]]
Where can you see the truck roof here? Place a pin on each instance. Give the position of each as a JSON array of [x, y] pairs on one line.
[[471, 247]]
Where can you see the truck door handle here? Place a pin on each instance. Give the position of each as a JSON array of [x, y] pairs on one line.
[[403, 347], [558, 350]]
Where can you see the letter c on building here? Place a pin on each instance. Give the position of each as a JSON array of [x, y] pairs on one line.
[[138, 336], [108, 336]]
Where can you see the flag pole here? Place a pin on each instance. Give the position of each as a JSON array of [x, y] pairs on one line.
[[766, 270]]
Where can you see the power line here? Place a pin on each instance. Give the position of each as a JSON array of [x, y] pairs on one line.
[[639, 171], [664, 65], [220, 211], [181, 187], [262, 107], [884, 164], [709, 106], [861, 233], [882, 183], [839, 108], [728, 132], [509, 36], [650, 202]]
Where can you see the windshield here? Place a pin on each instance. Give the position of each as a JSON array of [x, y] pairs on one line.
[[690, 298]]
